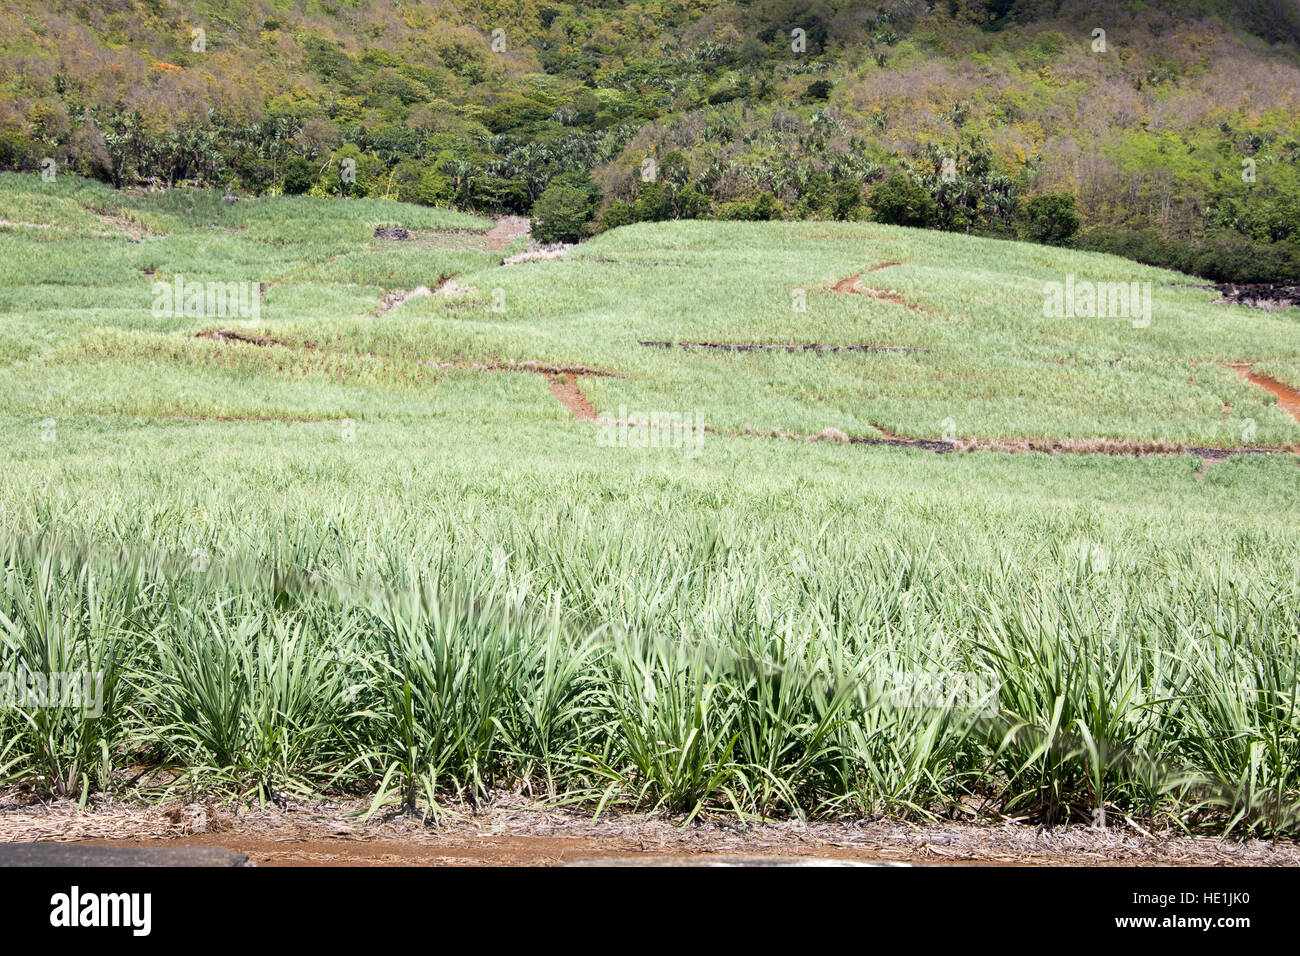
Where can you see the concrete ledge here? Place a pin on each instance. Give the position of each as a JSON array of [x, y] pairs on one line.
[[77, 854]]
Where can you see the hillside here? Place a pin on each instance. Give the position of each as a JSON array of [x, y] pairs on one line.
[[703, 517], [422, 101], [939, 327]]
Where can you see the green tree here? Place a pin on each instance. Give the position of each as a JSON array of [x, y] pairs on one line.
[[297, 176], [902, 202], [561, 214], [1050, 219], [818, 90]]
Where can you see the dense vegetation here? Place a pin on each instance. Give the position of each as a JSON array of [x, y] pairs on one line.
[[1178, 143], [356, 555]]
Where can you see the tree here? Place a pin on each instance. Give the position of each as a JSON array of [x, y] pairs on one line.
[[560, 214], [845, 199], [902, 202], [654, 203], [298, 175], [818, 90], [1050, 219], [496, 194]]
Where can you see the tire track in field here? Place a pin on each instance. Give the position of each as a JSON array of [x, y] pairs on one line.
[[565, 389], [1288, 398]]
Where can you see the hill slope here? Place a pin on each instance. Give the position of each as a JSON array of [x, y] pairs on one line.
[[431, 105], [340, 545]]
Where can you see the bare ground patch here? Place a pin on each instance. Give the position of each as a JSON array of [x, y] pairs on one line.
[[566, 390], [506, 229], [514, 831], [396, 297], [1288, 398], [1268, 296], [853, 285], [540, 252]]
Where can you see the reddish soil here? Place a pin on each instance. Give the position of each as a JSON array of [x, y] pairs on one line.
[[853, 286], [518, 833], [1288, 398], [566, 390], [849, 285], [883, 265]]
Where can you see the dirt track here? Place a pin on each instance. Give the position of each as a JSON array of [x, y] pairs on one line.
[[520, 834], [507, 228], [570, 396], [1288, 398]]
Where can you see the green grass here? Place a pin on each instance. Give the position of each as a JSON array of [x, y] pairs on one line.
[[332, 566]]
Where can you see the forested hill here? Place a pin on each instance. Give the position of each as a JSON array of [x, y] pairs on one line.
[[1166, 131]]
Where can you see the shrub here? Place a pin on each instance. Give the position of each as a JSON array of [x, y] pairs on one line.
[[618, 214], [766, 207], [762, 209], [16, 151], [1050, 219], [297, 176], [498, 195], [1226, 257], [845, 199], [256, 175], [818, 90], [689, 203], [560, 214], [653, 203], [901, 202]]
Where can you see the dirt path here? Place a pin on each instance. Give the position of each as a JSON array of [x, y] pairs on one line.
[[515, 833], [570, 396], [506, 229], [396, 297], [270, 850], [853, 285], [1288, 398]]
